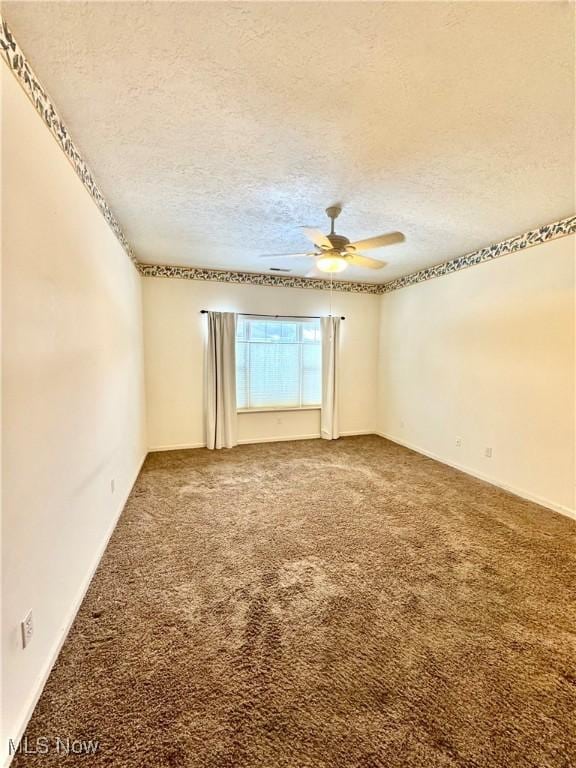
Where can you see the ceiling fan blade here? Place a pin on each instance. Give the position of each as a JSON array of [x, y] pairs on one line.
[[285, 255], [318, 238], [376, 242], [363, 261]]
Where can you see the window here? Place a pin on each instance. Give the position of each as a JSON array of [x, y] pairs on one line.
[[278, 363]]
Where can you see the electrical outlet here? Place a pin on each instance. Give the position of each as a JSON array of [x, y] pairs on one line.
[[27, 628], [458, 442], [488, 453], [112, 485]]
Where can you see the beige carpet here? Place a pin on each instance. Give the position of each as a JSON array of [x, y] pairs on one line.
[[317, 605]]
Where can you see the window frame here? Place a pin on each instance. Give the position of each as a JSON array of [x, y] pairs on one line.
[[279, 408]]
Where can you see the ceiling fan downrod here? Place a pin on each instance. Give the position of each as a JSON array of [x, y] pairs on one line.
[[333, 212]]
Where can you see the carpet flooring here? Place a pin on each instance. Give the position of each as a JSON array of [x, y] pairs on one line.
[[321, 605]]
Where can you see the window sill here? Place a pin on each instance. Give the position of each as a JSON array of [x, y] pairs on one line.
[[279, 409]]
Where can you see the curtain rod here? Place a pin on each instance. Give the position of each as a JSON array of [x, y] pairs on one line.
[[295, 317]]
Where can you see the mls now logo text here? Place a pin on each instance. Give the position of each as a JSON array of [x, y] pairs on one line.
[[61, 745]]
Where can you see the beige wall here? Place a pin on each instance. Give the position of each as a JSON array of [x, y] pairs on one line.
[[72, 401], [487, 355], [173, 334]]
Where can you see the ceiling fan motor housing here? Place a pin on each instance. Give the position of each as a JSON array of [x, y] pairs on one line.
[[339, 242]]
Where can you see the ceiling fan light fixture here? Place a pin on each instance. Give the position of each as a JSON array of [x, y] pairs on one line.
[[333, 253], [331, 263]]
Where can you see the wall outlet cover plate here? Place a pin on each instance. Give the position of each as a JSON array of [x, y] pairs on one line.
[[27, 627]]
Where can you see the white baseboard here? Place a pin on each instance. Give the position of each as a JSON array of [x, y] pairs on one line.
[[175, 447], [277, 439], [354, 432], [505, 487], [57, 647], [287, 438], [254, 440]]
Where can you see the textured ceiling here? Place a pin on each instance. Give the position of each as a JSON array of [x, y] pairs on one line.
[[215, 130]]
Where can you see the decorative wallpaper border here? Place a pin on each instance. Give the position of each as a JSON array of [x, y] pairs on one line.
[[13, 56], [254, 278], [20, 67], [553, 231]]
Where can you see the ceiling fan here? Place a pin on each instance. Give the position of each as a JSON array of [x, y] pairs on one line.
[[335, 252]]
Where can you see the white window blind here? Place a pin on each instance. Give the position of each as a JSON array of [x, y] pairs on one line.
[[278, 363]]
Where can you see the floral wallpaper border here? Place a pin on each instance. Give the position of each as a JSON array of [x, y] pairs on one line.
[[20, 67], [254, 278], [553, 231]]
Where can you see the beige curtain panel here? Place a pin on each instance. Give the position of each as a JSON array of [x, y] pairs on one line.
[[329, 422], [220, 381]]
